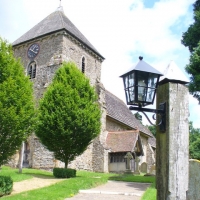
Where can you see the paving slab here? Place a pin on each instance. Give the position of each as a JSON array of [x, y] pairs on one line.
[[116, 190]]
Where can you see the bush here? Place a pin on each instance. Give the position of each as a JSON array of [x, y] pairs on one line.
[[6, 185], [64, 173]]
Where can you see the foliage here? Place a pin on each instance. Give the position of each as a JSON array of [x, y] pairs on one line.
[[64, 173], [138, 116], [191, 37], [193, 69], [194, 148], [152, 129], [64, 189], [16, 105], [6, 185], [69, 115]]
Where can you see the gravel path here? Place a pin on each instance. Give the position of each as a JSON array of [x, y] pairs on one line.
[[34, 183]]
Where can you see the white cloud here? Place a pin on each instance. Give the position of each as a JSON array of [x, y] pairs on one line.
[[120, 30]]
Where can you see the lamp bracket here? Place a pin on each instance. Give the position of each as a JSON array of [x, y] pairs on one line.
[[161, 112]]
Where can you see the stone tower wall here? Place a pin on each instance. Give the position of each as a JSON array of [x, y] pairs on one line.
[[54, 50]]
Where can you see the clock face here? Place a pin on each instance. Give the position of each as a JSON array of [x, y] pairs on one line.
[[33, 51]]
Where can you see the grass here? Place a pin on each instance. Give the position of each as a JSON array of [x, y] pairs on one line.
[[27, 173], [70, 187], [58, 191]]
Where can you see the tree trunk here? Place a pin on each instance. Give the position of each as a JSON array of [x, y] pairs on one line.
[[66, 164], [21, 158]]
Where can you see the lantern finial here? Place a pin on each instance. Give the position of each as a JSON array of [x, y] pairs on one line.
[[140, 57]]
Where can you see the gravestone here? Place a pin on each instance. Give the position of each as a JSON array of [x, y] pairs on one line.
[[137, 160], [143, 167], [128, 158], [194, 180]]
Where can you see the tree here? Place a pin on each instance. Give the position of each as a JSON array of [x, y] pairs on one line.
[[191, 37], [16, 103], [68, 115], [194, 139], [193, 68]]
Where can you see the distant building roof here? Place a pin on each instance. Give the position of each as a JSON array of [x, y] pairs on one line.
[[118, 110], [55, 22], [122, 141], [152, 141]]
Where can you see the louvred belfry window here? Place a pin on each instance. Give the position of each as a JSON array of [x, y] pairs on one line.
[[31, 72], [83, 65]]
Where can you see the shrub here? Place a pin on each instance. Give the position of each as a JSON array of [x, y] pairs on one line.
[[64, 173], [6, 185]]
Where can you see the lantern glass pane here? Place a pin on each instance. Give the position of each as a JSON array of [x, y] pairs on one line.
[[142, 84], [131, 80], [150, 94]]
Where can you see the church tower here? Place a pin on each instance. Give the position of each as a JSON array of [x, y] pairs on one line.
[[42, 50]]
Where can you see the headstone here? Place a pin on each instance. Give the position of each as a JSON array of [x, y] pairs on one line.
[[153, 170], [137, 160], [143, 167], [194, 180], [128, 157]]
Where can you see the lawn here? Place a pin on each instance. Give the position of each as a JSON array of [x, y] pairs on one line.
[[70, 187]]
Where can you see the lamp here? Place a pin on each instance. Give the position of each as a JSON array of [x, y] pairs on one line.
[[140, 85]]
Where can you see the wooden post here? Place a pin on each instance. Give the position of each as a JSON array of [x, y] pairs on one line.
[[172, 146]]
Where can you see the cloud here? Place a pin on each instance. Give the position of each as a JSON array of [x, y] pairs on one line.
[[120, 30]]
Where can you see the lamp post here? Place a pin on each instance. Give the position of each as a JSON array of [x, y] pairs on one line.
[[140, 85]]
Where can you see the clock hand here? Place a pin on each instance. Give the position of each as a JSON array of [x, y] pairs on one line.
[[33, 51]]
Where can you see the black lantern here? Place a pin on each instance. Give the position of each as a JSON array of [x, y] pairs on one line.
[[140, 85]]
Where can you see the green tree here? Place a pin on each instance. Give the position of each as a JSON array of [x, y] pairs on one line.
[[191, 37], [194, 140], [69, 115], [193, 69], [16, 103]]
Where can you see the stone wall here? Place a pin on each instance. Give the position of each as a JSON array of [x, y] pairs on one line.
[[194, 180]]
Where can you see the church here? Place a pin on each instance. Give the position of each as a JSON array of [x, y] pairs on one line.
[[42, 51]]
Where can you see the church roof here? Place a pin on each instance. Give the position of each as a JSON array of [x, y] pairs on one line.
[[118, 110], [55, 22], [122, 141]]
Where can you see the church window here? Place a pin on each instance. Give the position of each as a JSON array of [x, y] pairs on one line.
[[83, 64], [31, 72]]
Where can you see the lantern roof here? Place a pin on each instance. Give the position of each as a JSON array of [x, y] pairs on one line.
[[143, 66]]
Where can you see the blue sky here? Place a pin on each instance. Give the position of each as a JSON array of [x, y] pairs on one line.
[[120, 30]]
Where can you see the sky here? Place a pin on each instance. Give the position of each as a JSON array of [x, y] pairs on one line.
[[120, 30]]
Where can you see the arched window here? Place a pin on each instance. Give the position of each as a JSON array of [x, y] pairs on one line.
[[31, 72], [83, 64]]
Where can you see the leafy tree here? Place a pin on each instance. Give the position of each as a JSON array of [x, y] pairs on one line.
[[191, 37], [194, 139], [193, 68], [16, 103], [69, 115]]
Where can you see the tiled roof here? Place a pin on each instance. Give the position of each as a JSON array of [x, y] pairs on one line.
[[56, 21], [152, 141], [122, 141], [118, 110]]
